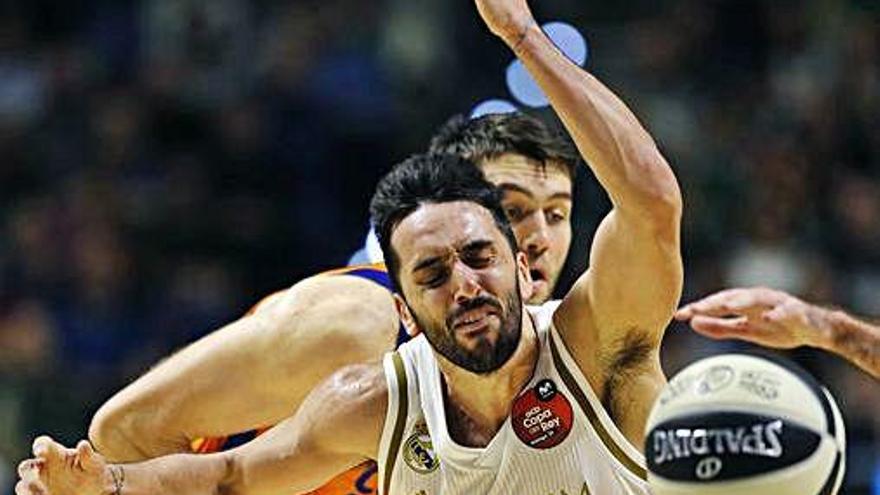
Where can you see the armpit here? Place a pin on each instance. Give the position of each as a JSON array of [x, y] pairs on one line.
[[627, 364]]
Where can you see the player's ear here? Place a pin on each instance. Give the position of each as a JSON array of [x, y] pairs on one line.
[[406, 316], [525, 276]]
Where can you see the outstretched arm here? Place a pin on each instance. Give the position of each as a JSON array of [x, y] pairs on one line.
[[252, 373], [338, 426], [614, 317], [777, 319]]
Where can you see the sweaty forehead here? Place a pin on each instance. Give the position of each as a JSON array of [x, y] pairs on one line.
[[438, 228], [516, 172]]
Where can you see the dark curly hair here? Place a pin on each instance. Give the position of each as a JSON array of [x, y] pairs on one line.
[[492, 135], [430, 178]]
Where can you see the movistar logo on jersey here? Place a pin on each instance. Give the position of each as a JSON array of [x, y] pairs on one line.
[[761, 439], [418, 451]]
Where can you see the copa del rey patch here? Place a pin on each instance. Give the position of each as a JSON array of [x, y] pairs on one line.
[[542, 416]]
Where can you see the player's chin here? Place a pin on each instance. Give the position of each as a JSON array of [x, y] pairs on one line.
[[540, 293]]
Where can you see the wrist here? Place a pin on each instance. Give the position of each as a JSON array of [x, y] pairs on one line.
[[825, 321], [517, 37], [114, 479]]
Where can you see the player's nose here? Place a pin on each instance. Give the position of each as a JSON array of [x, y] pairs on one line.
[[537, 239], [467, 283]]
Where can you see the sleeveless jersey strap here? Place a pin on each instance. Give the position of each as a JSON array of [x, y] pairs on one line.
[[607, 432], [395, 419]]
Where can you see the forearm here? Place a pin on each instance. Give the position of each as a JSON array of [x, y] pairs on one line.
[[252, 373], [852, 339], [617, 147], [182, 474], [161, 412], [215, 386], [286, 459]]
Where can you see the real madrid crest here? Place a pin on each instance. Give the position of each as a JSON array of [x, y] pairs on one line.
[[418, 451]]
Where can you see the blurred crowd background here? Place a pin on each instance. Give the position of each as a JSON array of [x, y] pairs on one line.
[[165, 163]]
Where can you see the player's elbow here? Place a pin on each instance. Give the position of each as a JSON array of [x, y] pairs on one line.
[[655, 194], [661, 212], [126, 432], [112, 433], [666, 203]]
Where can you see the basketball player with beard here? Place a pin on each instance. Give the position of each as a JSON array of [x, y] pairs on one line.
[[461, 282], [229, 386]]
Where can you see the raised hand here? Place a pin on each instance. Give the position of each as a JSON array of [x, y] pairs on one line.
[[762, 316], [508, 19], [56, 470]]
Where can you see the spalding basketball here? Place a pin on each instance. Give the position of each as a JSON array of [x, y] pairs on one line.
[[741, 424]]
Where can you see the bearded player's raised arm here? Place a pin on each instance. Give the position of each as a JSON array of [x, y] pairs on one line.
[[613, 319], [251, 373]]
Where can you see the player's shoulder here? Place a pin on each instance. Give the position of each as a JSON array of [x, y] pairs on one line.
[[364, 277], [359, 281], [353, 316], [369, 271], [351, 292], [343, 316]]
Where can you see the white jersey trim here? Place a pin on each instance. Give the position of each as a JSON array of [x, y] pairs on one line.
[[395, 418]]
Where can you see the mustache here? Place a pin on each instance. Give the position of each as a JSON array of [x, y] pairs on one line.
[[474, 303]]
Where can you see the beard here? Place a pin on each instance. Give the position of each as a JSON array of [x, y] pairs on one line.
[[486, 356]]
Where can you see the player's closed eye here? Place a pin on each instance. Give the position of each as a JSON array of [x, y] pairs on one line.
[[436, 279], [479, 257]]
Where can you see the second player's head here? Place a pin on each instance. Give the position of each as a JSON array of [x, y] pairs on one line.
[[453, 258], [535, 169]]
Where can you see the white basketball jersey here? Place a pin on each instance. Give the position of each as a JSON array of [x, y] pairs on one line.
[[558, 439]]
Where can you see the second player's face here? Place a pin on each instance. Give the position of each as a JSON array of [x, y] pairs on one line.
[[460, 279], [538, 203]]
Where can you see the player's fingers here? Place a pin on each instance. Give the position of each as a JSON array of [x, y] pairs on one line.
[[31, 487], [85, 455], [46, 448], [731, 302], [719, 301], [720, 328], [41, 445], [683, 313], [747, 328], [37, 487], [29, 468], [714, 305]]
